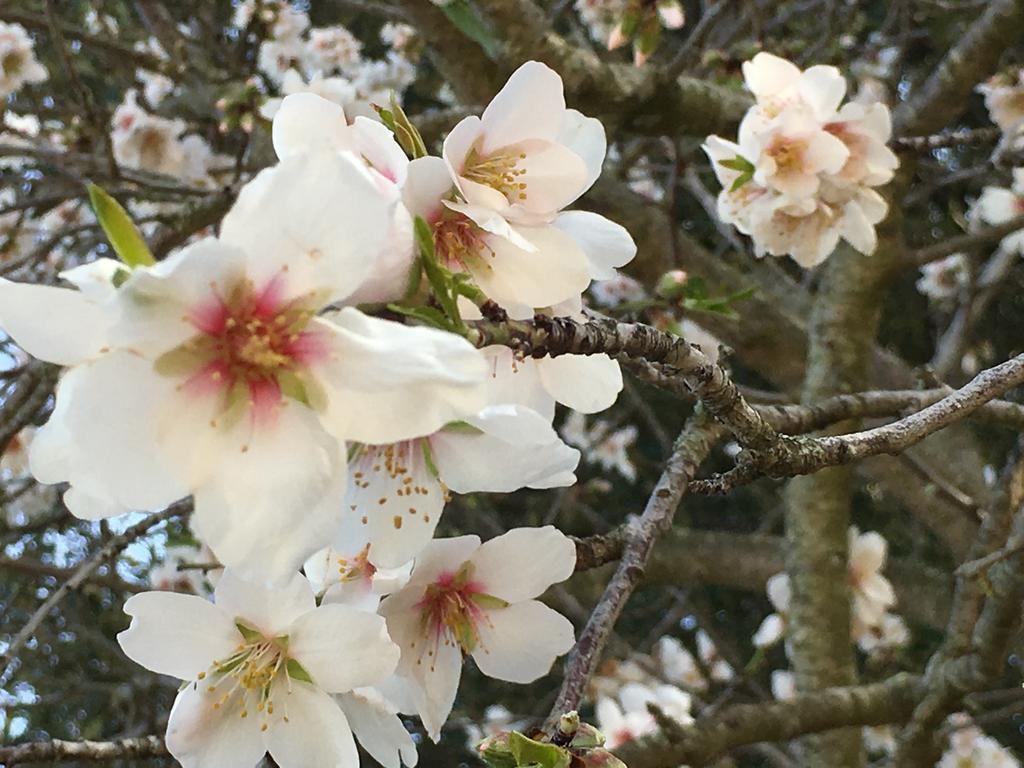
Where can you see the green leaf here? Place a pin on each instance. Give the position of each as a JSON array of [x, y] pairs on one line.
[[738, 163], [530, 752], [427, 315], [407, 133], [468, 22], [297, 672], [742, 179], [121, 231]]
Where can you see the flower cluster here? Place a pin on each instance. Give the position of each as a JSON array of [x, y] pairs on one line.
[[255, 372], [1004, 98], [327, 61], [999, 205], [18, 64], [873, 627], [969, 747], [803, 173]]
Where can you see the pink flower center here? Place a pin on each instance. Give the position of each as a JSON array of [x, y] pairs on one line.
[[252, 344], [457, 240], [452, 610]]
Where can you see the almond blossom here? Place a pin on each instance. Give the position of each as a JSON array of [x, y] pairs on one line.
[[629, 718], [521, 267], [944, 279], [873, 595], [213, 373], [18, 64], [260, 666], [398, 491], [969, 747], [473, 599], [773, 628], [1004, 99], [998, 205], [802, 176]]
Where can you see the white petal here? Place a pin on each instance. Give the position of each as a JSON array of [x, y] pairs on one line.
[[271, 609], [585, 383], [342, 648], [500, 565], [823, 88], [378, 729], [316, 732], [177, 635], [427, 183], [490, 220], [857, 230], [388, 382], [772, 629], [767, 75], [458, 143], [556, 270], [434, 678], [111, 422], [58, 325], [521, 642], [606, 244], [585, 136], [516, 381], [440, 556], [780, 591], [554, 176], [201, 736], [322, 216], [376, 144], [531, 105], [306, 122], [276, 495], [399, 510], [489, 461]]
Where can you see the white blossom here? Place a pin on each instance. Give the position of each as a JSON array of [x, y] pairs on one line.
[[479, 600], [629, 718], [1004, 98], [213, 373], [18, 64], [719, 669], [600, 445], [998, 205], [802, 176], [332, 49], [259, 665], [944, 279], [873, 595], [969, 747]]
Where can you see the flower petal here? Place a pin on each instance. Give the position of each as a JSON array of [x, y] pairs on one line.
[[58, 325], [585, 383], [556, 270], [388, 382], [398, 500], [316, 732], [342, 648], [427, 183], [271, 609], [306, 122], [585, 136], [177, 635], [521, 642], [330, 222], [607, 245], [202, 736], [531, 105], [378, 729], [501, 563]]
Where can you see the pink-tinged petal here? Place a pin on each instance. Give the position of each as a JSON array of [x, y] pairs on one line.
[[556, 270], [521, 642], [177, 635], [554, 176], [531, 105], [433, 676], [212, 380], [265, 403], [200, 735], [823, 87], [458, 142], [316, 732], [377, 145], [501, 563], [439, 557], [428, 183]]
